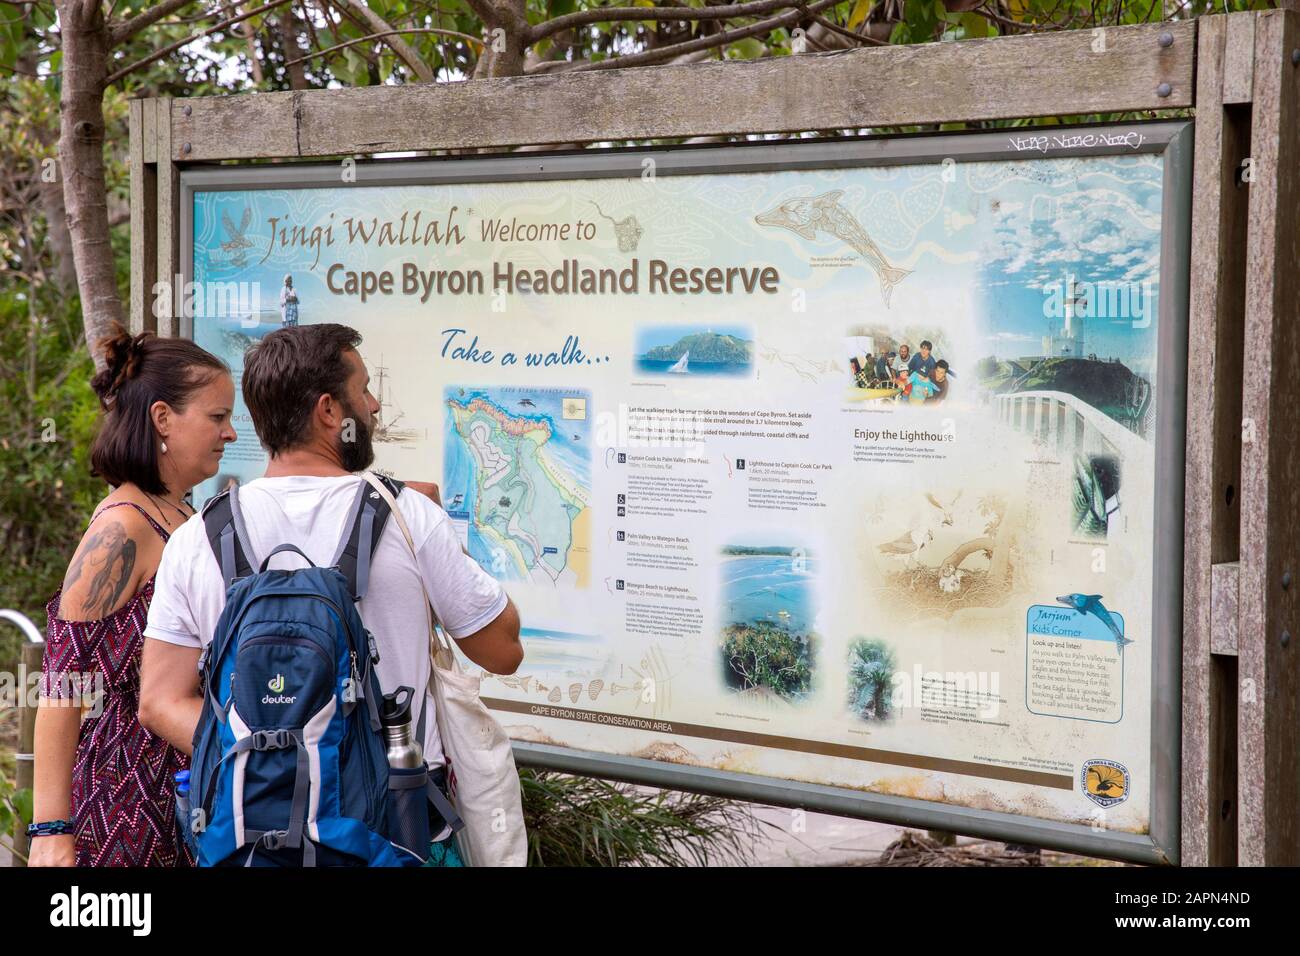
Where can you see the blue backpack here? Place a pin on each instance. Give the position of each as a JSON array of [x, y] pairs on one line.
[[290, 764]]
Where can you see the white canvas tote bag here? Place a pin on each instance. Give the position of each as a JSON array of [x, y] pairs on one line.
[[484, 782]]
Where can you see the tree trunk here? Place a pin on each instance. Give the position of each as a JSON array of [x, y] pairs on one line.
[[81, 165], [503, 53], [289, 44], [57, 236]]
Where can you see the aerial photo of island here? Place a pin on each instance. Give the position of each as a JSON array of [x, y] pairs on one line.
[[691, 350]]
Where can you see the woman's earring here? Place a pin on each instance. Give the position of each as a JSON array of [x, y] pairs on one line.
[[164, 448]]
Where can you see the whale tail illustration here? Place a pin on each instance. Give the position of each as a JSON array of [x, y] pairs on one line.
[[890, 276]]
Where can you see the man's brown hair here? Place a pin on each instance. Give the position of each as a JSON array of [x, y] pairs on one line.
[[287, 372]]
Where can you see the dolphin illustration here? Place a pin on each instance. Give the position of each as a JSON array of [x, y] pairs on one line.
[[823, 213], [1091, 604]]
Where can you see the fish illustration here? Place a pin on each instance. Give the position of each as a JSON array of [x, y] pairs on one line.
[[811, 215], [1091, 604]]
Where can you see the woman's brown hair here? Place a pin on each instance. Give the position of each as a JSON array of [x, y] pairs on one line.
[[140, 370]]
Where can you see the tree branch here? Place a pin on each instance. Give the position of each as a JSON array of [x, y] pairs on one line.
[[172, 48], [705, 43], [375, 36], [611, 14], [125, 29], [405, 52], [848, 34]]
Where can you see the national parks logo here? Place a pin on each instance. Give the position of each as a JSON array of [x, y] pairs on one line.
[[1104, 782]]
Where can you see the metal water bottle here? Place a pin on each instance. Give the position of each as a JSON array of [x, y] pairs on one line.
[[404, 751]]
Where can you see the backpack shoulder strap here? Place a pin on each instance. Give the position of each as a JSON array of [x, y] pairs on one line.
[[225, 527], [361, 533]]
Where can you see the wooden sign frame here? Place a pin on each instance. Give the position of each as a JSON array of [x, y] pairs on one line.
[[1238, 73]]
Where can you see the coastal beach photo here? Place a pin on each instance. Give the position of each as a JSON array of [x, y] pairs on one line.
[[768, 638]]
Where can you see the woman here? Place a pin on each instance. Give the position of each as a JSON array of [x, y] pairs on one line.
[[288, 304], [104, 793]]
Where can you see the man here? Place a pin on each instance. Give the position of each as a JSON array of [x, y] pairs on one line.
[[941, 382], [884, 368], [307, 391], [923, 361], [904, 359]]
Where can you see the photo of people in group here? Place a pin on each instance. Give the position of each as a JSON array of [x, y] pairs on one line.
[[901, 368]]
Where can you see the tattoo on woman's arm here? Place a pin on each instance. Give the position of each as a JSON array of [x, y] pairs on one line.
[[109, 556]]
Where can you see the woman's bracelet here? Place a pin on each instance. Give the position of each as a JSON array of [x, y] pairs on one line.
[[49, 828]]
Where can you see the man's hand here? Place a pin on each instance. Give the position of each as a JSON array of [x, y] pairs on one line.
[[426, 488]]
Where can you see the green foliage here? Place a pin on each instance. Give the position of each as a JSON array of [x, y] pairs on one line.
[[767, 655], [584, 821], [871, 668], [15, 809]]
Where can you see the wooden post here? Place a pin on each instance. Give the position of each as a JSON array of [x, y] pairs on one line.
[[168, 212], [1225, 57], [144, 215], [1269, 806]]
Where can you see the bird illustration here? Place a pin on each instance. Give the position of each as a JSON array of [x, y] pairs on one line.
[[907, 546], [237, 242], [1105, 781], [1091, 604], [946, 509]]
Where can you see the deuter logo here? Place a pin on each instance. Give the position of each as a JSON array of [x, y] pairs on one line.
[[276, 685]]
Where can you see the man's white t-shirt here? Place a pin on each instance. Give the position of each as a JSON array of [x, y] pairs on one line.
[[310, 512]]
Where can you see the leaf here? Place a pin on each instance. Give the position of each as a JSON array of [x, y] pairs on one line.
[[859, 13], [975, 25], [22, 801]]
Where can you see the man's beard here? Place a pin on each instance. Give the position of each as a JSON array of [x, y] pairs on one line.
[[359, 453]]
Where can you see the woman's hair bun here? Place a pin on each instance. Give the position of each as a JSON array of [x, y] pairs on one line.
[[123, 355]]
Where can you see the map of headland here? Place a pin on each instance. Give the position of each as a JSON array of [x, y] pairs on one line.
[[518, 481]]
